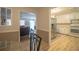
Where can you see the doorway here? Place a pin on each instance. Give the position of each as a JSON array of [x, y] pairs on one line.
[[53, 28], [27, 25]]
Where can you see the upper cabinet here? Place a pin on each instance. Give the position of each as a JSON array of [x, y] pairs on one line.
[[5, 16]]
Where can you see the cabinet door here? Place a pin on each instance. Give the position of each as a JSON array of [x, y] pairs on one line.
[[8, 16], [5, 16]]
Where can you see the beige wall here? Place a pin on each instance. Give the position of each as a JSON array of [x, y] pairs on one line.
[[15, 19], [11, 33], [43, 19]]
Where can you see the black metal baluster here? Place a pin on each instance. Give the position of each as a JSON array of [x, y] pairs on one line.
[[35, 42]]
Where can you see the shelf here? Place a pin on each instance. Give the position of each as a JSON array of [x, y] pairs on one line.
[[75, 25], [75, 30]]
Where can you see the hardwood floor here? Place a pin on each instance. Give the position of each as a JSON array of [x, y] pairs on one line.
[[25, 44], [64, 43]]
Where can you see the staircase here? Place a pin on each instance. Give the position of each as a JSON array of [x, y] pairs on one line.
[[35, 42]]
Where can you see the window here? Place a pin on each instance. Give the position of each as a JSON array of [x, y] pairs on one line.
[[22, 22]]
